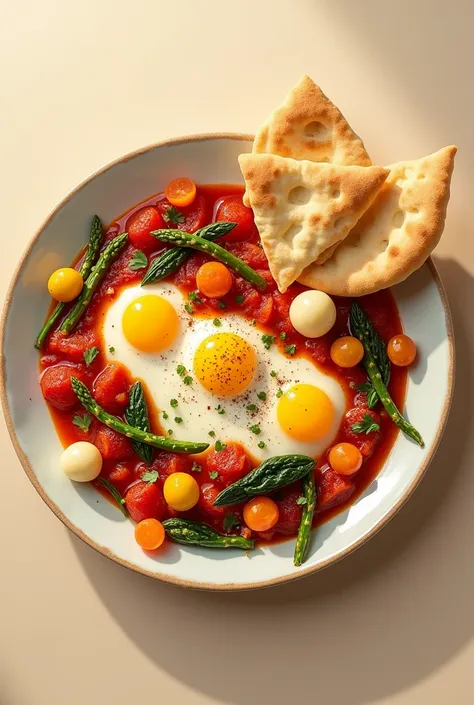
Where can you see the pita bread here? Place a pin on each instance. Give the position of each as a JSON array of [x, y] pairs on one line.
[[396, 235], [301, 208]]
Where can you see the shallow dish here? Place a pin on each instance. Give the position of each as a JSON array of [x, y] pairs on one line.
[[206, 159]]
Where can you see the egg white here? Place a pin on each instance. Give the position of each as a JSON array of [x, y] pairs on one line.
[[197, 408]]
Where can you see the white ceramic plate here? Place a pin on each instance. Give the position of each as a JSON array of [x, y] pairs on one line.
[[206, 159]]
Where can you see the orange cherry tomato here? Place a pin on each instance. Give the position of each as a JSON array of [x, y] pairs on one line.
[[261, 513], [213, 279], [345, 458], [181, 192], [401, 350], [347, 351], [149, 534]]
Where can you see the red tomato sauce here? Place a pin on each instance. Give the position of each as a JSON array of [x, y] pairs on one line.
[[269, 311]]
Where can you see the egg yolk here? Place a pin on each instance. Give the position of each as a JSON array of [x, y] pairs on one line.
[[150, 323], [305, 413], [225, 364]]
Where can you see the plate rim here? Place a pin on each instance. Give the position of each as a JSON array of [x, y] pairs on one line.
[[202, 585]]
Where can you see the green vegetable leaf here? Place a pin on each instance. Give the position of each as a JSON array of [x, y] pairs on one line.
[[214, 475], [212, 434], [220, 410], [251, 407], [282, 335], [301, 500], [262, 395], [181, 370], [82, 422], [279, 393], [268, 340], [90, 355], [189, 308], [165, 415], [367, 425], [174, 403], [262, 444], [365, 387], [173, 215], [273, 373], [138, 261], [150, 476], [194, 296], [195, 467], [170, 432], [256, 429], [188, 380], [115, 494], [178, 419], [290, 349], [230, 522], [217, 322], [111, 349], [220, 446]]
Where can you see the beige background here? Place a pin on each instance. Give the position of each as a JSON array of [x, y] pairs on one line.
[[84, 81]]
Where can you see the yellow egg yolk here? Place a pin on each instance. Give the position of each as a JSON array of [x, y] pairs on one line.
[[225, 364], [150, 323], [305, 412]]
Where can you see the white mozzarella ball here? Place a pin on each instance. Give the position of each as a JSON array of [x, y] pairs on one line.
[[313, 313], [81, 462]]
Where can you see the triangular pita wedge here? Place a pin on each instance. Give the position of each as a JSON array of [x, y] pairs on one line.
[[308, 126], [396, 235], [301, 208]]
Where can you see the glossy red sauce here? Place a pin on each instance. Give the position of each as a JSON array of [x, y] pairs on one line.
[[270, 313]]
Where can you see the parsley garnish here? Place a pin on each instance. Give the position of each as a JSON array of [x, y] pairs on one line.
[[261, 444], [165, 415], [150, 476], [251, 407], [239, 299], [222, 304], [174, 403], [230, 522], [220, 446], [178, 419], [90, 355], [188, 380], [256, 429], [367, 425], [273, 373], [267, 340], [138, 261], [214, 474], [189, 308], [290, 349], [301, 500], [181, 370], [173, 215], [217, 322], [253, 322], [220, 410], [194, 296], [111, 349], [195, 467], [212, 434], [283, 336], [170, 432], [262, 395], [82, 422], [279, 393]]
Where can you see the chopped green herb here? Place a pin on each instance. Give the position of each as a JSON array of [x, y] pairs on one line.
[[290, 349], [256, 429], [173, 215], [230, 522], [195, 467], [214, 475], [283, 335], [239, 299], [268, 340], [188, 380], [367, 425], [111, 349], [82, 422], [170, 432], [90, 355], [262, 395], [220, 446], [261, 444], [251, 407], [212, 434], [273, 373], [165, 415], [194, 296], [181, 370], [150, 476], [138, 261], [301, 500], [217, 322], [222, 304], [220, 410], [189, 308], [279, 393], [253, 322], [178, 419], [174, 403]]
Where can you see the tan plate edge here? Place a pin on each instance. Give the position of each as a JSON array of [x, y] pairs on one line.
[[159, 576]]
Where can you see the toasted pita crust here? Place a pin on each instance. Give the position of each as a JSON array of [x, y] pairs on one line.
[[396, 235], [301, 208]]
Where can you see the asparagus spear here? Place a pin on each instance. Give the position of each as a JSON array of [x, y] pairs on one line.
[[193, 533], [115, 494], [182, 239], [135, 434], [92, 252], [114, 247], [362, 329], [304, 531], [171, 260], [136, 414]]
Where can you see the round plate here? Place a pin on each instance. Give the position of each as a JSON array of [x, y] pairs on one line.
[[206, 159]]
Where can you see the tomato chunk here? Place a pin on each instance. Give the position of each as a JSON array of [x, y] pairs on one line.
[[111, 389], [121, 476], [289, 511], [207, 498], [112, 445], [186, 274], [333, 490], [73, 346], [365, 442], [168, 463], [139, 226], [232, 210], [319, 349], [56, 385], [189, 218], [250, 253], [231, 464], [145, 501]]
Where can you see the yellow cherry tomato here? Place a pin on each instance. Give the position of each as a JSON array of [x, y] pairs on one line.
[[149, 534], [181, 491], [261, 513], [347, 351], [65, 284], [345, 458], [401, 350]]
